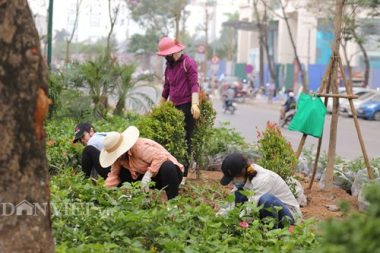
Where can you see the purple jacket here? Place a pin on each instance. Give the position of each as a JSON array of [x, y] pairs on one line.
[[181, 80]]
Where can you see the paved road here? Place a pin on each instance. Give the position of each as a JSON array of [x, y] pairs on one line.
[[253, 115]]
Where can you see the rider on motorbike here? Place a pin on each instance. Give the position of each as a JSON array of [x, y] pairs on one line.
[[229, 96], [290, 104]]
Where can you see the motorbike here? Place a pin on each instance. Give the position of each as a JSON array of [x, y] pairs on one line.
[[229, 106], [289, 115]]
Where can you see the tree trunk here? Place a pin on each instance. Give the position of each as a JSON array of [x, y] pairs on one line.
[[297, 59], [70, 39], [23, 106], [333, 85], [112, 25], [263, 40], [366, 59], [348, 62], [177, 18], [266, 46]]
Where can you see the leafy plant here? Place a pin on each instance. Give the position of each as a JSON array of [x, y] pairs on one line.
[[165, 125], [276, 153], [224, 138], [203, 134], [56, 84], [130, 89], [356, 233], [97, 76], [91, 218]]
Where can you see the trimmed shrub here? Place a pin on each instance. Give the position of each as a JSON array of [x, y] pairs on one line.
[[275, 151]]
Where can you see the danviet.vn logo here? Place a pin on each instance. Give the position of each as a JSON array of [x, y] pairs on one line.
[[24, 207]]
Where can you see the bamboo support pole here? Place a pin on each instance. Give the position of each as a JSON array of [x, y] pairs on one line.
[[358, 131]]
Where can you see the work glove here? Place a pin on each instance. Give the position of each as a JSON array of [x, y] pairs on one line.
[[147, 178], [162, 100], [195, 105]]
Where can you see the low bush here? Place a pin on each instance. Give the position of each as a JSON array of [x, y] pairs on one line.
[[165, 125], [276, 153], [357, 233]]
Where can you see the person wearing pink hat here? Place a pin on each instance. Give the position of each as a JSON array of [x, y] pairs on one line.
[[181, 86]]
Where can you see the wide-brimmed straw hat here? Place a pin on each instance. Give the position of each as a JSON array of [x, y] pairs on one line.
[[168, 46], [116, 144]]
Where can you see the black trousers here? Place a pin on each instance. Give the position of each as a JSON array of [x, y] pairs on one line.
[[189, 128], [169, 177], [90, 160]]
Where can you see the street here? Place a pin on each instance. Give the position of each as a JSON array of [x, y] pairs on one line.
[[253, 116]]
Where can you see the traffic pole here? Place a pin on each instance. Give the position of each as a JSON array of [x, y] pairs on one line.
[[49, 33]]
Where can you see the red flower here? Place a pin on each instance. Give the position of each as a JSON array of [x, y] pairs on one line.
[[244, 224]]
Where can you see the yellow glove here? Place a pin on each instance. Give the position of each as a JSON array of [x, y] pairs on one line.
[[195, 105], [162, 100]]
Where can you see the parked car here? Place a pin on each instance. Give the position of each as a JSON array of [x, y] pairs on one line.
[[370, 109], [358, 91], [345, 105]]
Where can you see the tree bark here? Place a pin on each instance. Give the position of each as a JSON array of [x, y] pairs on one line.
[[348, 63], [366, 59], [70, 39], [112, 25], [263, 36], [333, 85], [23, 106], [297, 59]]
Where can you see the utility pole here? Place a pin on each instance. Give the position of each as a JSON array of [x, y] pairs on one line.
[[50, 33]]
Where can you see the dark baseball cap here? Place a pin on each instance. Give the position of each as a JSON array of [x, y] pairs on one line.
[[80, 129], [232, 166]]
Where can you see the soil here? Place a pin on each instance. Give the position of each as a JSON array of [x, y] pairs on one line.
[[322, 204]]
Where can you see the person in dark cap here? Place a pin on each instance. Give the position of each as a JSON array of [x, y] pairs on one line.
[[93, 142], [269, 189]]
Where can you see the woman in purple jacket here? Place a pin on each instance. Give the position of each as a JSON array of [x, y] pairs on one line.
[[181, 86]]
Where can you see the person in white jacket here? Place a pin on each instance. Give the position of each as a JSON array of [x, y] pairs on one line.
[[269, 190]]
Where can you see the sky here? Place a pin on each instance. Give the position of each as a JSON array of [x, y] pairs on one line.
[[94, 20]]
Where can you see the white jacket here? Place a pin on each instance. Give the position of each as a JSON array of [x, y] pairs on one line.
[[266, 181]]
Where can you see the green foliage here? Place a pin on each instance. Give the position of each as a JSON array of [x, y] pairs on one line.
[[61, 152], [165, 125], [276, 153], [91, 218], [75, 105], [98, 76], [146, 43], [131, 90], [358, 233], [56, 84], [203, 133], [223, 139]]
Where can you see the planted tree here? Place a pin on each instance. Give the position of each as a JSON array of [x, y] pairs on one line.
[[283, 5], [131, 90], [24, 182], [69, 39], [113, 13], [262, 24], [97, 76]]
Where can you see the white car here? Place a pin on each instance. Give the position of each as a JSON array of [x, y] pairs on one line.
[[345, 105], [358, 91]]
